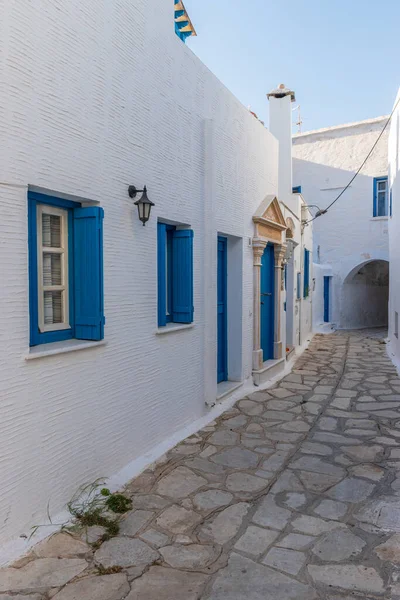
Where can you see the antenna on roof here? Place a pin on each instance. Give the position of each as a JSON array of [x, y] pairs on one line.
[[299, 121]]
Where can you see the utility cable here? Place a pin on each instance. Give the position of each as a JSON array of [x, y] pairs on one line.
[[325, 210]]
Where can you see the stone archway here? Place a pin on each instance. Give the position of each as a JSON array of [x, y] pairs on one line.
[[365, 296]]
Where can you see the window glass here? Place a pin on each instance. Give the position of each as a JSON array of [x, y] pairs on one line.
[[382, 204], [51, 230], [53, 308], [380, 197], [51, 269]]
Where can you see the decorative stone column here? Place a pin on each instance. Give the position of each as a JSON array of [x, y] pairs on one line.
[[258, 250], [279, 254]]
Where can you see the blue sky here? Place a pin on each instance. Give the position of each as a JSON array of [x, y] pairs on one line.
[[340, 57]]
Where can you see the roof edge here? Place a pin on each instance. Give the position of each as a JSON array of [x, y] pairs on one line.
[[343, 126]]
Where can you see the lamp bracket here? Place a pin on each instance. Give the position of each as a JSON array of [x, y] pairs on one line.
[[133, 191]]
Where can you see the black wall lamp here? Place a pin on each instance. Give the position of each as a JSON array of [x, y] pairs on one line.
[[144, 204]]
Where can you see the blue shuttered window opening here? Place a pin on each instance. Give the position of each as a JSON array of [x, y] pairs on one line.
[[175, 275], [306, 273], [380, 206], [66, 298], [390, 203], [298, 286]]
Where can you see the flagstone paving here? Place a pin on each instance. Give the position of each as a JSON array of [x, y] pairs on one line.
[[292, 494]]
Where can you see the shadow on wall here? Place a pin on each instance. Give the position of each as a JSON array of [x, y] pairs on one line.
[[348, 230], [347, 237], [365, 295]]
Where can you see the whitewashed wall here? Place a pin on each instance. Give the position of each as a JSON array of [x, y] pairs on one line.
[[100, 95], [297, 321], [298, 309], [348, 235], [394, 237]]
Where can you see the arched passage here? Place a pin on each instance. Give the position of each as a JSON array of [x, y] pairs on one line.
[[366, 295]]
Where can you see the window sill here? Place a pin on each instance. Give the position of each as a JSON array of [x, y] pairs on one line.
[[171, 327], [379, 218], [61, 348]]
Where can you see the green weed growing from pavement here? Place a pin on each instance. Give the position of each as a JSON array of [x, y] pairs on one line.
[[91, 506]]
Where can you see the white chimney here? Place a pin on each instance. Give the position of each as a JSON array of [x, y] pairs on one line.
[[280, 125]]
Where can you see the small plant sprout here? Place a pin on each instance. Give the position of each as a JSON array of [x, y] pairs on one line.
[[90, 506]]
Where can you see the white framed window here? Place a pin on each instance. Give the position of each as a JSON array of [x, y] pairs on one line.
[[381, 193], [53, 293]]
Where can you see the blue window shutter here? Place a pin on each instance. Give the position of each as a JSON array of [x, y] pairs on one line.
[[161, 274], [182, 276], [375, 200], [88, 273]]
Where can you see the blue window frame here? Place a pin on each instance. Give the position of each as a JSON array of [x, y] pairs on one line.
[[381, 193], [65, 270], [306, 291], [296, 189], [175, 274]]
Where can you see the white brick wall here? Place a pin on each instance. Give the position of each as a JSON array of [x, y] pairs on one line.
[[98, 95]]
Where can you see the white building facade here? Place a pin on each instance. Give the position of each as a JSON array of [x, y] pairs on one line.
[[394, 228], [118, 338], [351, 248], [299, 237]]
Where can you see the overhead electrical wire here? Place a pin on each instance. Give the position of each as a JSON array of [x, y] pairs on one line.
[[325, 210]]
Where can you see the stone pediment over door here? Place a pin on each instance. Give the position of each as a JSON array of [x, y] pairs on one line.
[[269, 222]]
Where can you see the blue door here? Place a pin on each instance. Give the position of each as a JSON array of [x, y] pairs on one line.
[[327, 281], [267, 300], [222, 324]]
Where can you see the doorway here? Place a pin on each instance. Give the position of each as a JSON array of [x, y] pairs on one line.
[[327, 298], [222, 312], [365, 296], [267, 301]]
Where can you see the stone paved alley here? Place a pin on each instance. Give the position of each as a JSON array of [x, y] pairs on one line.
[[292, 494]]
